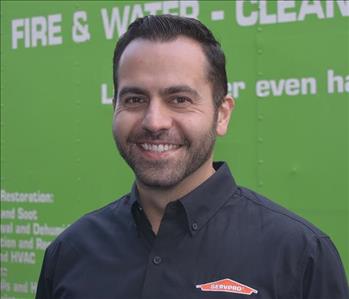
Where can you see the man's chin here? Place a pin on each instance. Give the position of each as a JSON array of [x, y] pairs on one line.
[[159, 180]]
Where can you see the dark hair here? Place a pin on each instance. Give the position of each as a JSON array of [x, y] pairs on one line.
[[168, 27]]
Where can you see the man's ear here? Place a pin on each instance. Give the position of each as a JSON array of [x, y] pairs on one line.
[[223, 117]]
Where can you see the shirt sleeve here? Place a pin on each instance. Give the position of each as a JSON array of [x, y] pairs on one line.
[[59, 258], [44, 289], [324, 275]]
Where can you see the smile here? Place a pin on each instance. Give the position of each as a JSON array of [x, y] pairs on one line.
[[159, 148]]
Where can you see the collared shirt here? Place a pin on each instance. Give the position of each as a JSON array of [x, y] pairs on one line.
[[218, 241]]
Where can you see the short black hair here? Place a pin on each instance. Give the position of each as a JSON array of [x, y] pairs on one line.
[[167, 28]]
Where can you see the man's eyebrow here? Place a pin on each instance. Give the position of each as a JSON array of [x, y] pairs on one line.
[[132, 89], [180, 88], [166, 91]]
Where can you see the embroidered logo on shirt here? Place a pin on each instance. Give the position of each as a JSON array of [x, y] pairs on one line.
[[226, 285]]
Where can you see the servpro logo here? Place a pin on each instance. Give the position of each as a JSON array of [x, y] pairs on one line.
[[226, 285]]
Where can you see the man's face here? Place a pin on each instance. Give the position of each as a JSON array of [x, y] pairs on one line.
[[164, 121]]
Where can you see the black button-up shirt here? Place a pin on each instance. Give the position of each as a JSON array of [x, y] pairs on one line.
[[218, 241]]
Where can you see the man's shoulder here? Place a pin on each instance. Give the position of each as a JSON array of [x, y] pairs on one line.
[[296, 251], [96, 224], [271, 216], [272, 228]]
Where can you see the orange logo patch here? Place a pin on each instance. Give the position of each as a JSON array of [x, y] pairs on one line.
[[226, 285]]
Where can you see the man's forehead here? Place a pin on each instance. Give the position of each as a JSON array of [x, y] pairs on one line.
[[159, 64], [139, 45]]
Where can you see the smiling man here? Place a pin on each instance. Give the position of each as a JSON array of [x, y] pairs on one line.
[[186, 230], [165, 120]]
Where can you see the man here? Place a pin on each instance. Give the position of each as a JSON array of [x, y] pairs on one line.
[[186, 230]]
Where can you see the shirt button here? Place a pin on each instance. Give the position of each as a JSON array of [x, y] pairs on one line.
[[157, 260], [194, 226]]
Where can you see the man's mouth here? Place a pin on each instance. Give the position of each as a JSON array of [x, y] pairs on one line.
[[158, 148]]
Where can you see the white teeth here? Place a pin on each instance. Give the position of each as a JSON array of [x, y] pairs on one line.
[[158, 147]]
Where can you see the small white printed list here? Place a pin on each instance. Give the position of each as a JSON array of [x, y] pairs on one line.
[[23, 237]]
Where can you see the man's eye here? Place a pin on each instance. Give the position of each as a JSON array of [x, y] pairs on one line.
[[181, 100], [134, 100]]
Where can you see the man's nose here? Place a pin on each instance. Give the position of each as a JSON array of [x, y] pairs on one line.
[[156, 117]]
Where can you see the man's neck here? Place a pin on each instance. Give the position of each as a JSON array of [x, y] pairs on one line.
[[155, 200]]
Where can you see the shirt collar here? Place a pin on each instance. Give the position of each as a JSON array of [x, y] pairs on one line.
[[202, 203]]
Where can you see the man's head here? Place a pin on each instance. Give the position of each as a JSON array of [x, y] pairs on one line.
[[168, 27], [165, 119]]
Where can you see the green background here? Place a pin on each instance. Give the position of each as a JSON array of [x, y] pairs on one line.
[[56, 134]]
